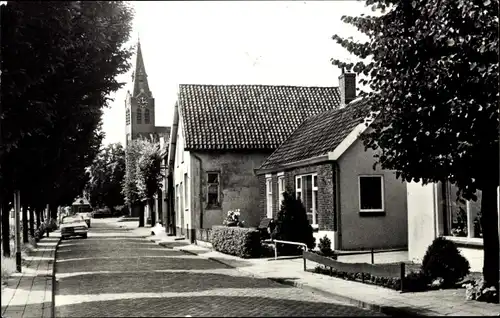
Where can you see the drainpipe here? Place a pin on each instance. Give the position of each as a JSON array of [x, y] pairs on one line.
[[338, 227], [201, 189]]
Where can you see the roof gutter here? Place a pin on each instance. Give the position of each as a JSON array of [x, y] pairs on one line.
[[300, 163]]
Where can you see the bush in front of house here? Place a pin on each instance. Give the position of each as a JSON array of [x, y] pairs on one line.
[[325, 247], [415, 281], [444, 260], [237, 241], [292, 225]]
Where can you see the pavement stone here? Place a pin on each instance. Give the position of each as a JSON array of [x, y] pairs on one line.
[[440, 302], [27, 293], [125, 277]]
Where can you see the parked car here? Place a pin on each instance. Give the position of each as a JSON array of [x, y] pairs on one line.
[[74, 226], [86, 217]]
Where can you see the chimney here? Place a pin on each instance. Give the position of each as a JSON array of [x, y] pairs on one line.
[[347, 87]]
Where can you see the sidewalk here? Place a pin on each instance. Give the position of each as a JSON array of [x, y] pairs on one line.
[[449, 302], [30, 293]]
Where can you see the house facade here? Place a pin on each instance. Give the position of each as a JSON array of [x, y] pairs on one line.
[[324, 163], [220, 135], [433, 211]]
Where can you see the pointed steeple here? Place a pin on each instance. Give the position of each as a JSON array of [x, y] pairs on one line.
[[140, 78]]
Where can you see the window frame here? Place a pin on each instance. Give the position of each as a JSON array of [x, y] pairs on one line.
[[218, 203], [138, 116], [186, 188], [382, 183], [147, 118], [269, 196], [314, 195], [281, 188]]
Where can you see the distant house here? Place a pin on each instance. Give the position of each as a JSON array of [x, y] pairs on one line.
[[433, 210], [324, 163], [220, 134]]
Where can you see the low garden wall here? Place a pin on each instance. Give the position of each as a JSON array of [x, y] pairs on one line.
[[386, 275]]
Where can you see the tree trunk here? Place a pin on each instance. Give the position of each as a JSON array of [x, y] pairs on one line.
[[491, 244], [38, 218], [141, 214], [5, 229], [152, 212], [53, 211], [32, 222], [42, 215], [24, 213]]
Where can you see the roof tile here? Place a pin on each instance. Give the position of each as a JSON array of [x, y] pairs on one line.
[[248, 116], [318, 135]]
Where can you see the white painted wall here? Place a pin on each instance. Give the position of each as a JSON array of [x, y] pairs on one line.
[[421, 218], [182, 165]]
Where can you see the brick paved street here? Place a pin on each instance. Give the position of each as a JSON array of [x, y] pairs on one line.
[[114, 273]]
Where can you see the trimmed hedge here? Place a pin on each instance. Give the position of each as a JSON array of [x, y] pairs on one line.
[[237, 241]]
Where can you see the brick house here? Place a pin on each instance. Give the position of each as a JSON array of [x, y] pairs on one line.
[[324, 163], [220, 135]]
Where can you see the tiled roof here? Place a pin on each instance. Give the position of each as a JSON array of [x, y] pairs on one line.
[[229, 117], [318, 135]]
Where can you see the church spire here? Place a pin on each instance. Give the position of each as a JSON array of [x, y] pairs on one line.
[[140, 78]]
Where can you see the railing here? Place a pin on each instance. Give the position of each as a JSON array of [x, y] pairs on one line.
[[286, 242]]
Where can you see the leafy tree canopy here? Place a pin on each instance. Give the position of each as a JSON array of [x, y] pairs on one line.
[[52, 111], [433, 75]]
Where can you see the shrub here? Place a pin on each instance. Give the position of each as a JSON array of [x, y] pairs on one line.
[[238, 241], [415, 281], [388, 282], [292, 224], [325, 246], [443, 260]]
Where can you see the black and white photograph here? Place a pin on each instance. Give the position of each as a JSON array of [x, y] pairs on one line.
[[249, 158]]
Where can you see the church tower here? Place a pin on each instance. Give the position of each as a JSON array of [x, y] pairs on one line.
[[140, 104]]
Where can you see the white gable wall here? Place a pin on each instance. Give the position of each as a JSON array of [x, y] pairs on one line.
[[182, 166]]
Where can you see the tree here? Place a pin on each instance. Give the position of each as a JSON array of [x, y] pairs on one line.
[[129, 187], [51, 111], [433, 67], [149, 175], [106, 177]]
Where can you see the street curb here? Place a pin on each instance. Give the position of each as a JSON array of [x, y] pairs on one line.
[[390, 311], [53, 314]]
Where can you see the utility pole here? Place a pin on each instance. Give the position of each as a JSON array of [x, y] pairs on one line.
[[17, 207]]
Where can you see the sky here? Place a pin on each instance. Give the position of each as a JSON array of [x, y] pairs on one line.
[[232, 42]]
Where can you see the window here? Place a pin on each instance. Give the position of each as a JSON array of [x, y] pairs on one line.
[[127, 116], [269, 197], [461, 217], [146, 116], [186, 197], [281, 188], [213, 189], [306, 189], [178, 203], [371, 193], [181, 201], [139, 116]]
